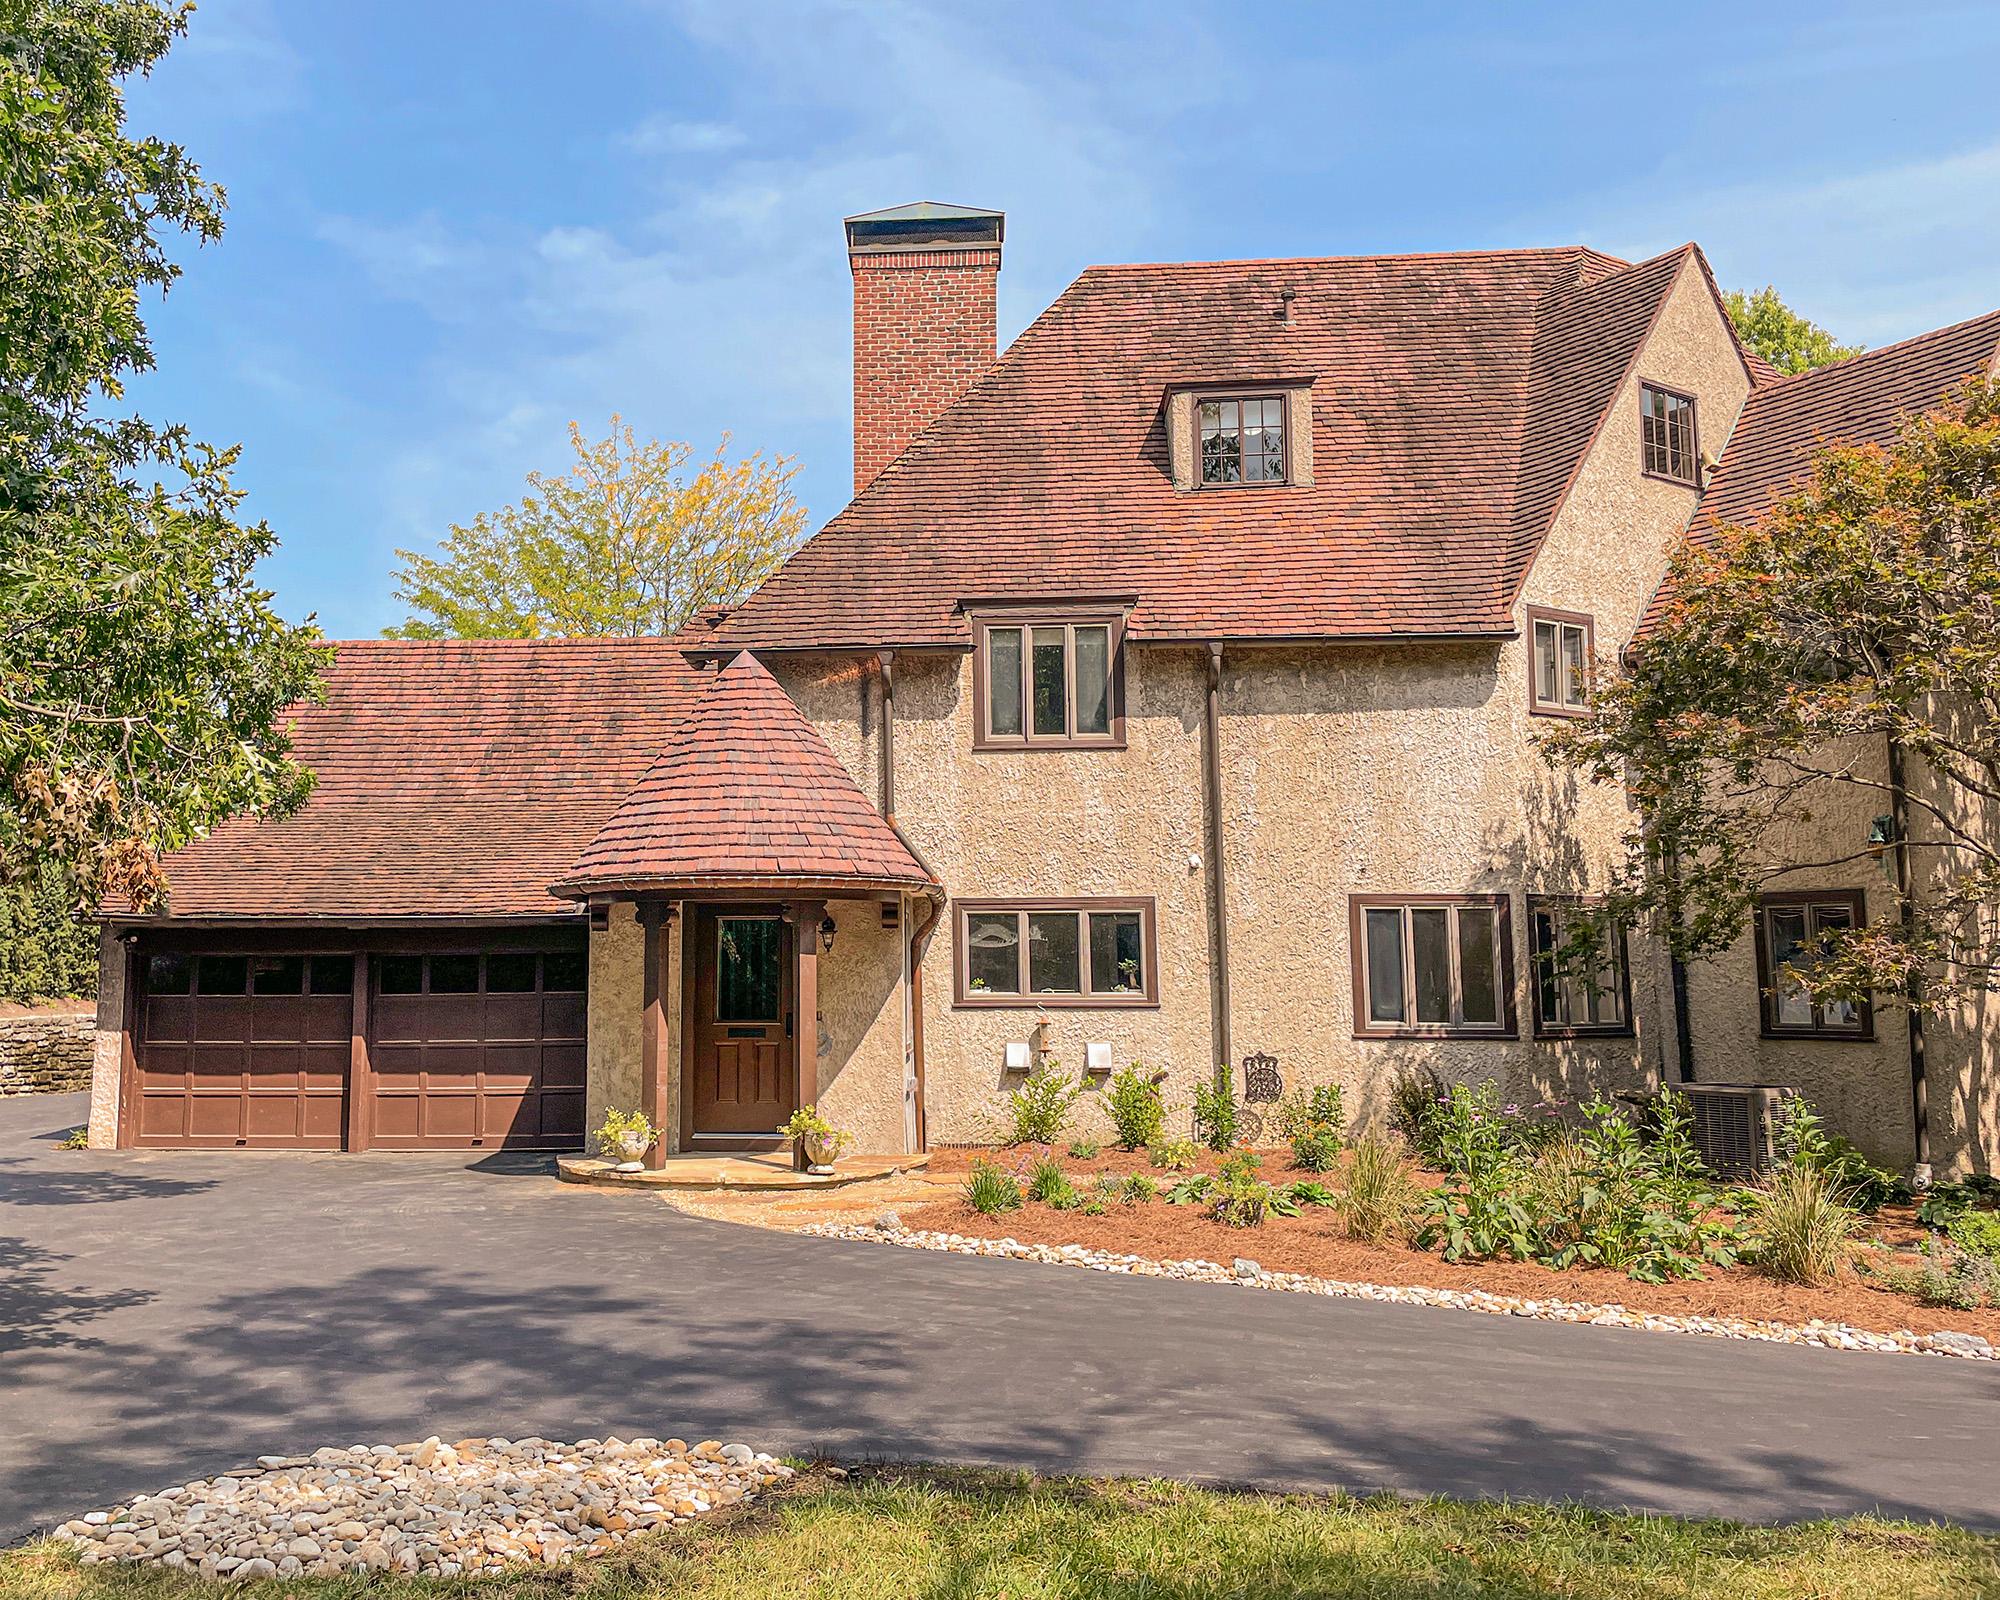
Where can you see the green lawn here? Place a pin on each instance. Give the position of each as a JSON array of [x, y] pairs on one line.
[[953, 1535]]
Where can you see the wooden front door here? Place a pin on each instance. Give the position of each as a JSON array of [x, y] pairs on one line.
[[743, 1066]]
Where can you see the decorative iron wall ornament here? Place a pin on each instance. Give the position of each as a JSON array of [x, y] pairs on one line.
[[1261, 1082]]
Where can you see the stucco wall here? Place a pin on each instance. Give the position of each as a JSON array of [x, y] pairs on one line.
[[108, 1055], [617, 1020]]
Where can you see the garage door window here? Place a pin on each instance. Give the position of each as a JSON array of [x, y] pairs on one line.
[[454, 974], [332, 974], [168, 973], [507, 972], [221, 974]]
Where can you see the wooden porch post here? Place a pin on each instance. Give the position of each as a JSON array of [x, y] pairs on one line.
[[805, 917], [655, 1093]]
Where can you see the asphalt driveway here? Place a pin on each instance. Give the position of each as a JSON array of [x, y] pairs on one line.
[[167, 1314]]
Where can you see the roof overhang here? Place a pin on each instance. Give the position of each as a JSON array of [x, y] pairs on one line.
[[769, 885]]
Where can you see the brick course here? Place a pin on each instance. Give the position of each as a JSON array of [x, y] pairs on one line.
[[923, 334]]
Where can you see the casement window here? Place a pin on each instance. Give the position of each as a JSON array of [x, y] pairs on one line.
[[1559, 650], [1049, 681], [1240, 439], [1055, 953], [1432, 965], [1590, 994], [1667, 440], [1790, 928]]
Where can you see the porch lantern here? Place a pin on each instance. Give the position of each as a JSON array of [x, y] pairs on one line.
[[827, 930]]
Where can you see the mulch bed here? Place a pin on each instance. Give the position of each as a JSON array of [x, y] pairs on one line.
[[1313, 1243]]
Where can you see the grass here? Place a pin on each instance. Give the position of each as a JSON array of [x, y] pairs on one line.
[[944, 1534]]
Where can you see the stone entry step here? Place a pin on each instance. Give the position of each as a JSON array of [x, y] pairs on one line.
[[759, 1169]]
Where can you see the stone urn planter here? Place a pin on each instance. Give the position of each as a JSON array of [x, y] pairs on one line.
[[630, 1148], [625, 1138], [816, 1143]]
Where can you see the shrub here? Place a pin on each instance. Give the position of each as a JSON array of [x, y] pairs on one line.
[[1176, 1155], [1962, 1280], [1091, 1208], [1216, 1117], [1977, 1233], [1305, 1192], [1136, 1107], [1041, 1105], [1805, 1142], [989, 1191], [1084, 1149], [1048, 1183], [1313, 1122], [1191, 1190], [1139, 1188], [1108, 1187], [1803, 1226], [1413, 1094], [1380, 1199], [75, 1139], [1944, 1201], [1242, 1205]]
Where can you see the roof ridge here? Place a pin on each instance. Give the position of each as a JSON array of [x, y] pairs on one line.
[[1509, 252], [1791, 380]]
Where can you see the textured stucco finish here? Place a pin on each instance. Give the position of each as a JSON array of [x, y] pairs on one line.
[[617, 1017], [108, 1052]]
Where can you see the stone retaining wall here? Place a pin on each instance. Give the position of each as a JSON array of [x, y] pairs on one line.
[[46, 1052]]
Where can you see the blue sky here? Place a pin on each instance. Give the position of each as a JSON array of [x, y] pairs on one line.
[[454, 227]]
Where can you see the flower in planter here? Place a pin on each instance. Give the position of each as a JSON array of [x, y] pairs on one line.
[[822, 1143], [626, 1135]]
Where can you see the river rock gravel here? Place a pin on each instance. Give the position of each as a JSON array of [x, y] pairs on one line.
[[1828, 1335], [477, 1506]]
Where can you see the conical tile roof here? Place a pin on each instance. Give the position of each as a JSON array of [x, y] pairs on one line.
[[746, 792]]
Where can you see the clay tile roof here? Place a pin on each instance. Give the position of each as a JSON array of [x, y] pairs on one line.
[[746, 792], [1861, 400], [455, 779], [1051, 475]]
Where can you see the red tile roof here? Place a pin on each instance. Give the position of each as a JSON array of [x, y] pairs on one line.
[[1051, 476], [455, 779], [1857, 401], [746, 792]]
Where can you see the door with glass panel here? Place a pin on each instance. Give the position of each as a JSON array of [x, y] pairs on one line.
[[742, 1079]]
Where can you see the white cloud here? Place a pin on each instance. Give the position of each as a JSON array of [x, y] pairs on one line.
[[659, 134], [1875, 256]]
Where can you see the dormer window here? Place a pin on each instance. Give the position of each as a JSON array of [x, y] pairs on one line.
[[1667, 436], [1047, 678], [1242, 439]]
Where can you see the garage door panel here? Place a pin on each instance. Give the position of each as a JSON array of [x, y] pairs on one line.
[[512, 1065], [398, 1017], [325, 1066], [167, 1017], [222, 1018], [277, 1019], [215, 1116], [325, 1119], [563, 1016], [561, 1115], [271, 1117], [563, 1065], [163, 1117], [164, 1067], [396, 1060], [329, 1018], [450, 1115], [513, 1016]]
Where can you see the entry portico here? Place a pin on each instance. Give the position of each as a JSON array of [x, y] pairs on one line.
[[772, 903]]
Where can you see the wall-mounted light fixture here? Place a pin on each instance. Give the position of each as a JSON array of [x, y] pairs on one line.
[[827, 930]]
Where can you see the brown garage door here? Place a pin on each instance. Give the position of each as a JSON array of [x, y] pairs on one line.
[[243, 1049], [477, 1050]]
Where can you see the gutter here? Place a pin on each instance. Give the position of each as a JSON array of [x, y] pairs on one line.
[[1920, 1110], [1218, 888]]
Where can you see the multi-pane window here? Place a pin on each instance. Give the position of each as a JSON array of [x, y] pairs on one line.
[[1559, 644], [1434, 964], [1580, 982], [1049, 682], [1666, 434], [1242, 440], [1063, 952], [1793, 931]]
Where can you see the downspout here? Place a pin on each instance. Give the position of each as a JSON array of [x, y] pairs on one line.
[[916, 935], [1218, 892], [1920, 1108]]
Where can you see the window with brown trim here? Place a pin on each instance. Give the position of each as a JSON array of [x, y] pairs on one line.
[[1048, 680], [1560, 644], [1590, 994], [1429, 966], [1096, 952], [1667, 442], [1240, 439], [1791, 929]]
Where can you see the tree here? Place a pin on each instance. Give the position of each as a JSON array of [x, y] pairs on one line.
[[1838, 658], [143, 675], [1780, 335], [624, 543]]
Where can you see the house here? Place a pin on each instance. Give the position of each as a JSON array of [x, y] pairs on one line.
[[1166, 693]]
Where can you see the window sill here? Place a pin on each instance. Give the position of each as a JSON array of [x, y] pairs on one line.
[[1567, 713], [1250, 483], [1438, 1033], [1665, 477], [1621, 1030], [1820, 1035], [986, 746], [1063, 1002]]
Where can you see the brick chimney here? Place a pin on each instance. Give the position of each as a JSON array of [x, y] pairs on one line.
[[924, 283]]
